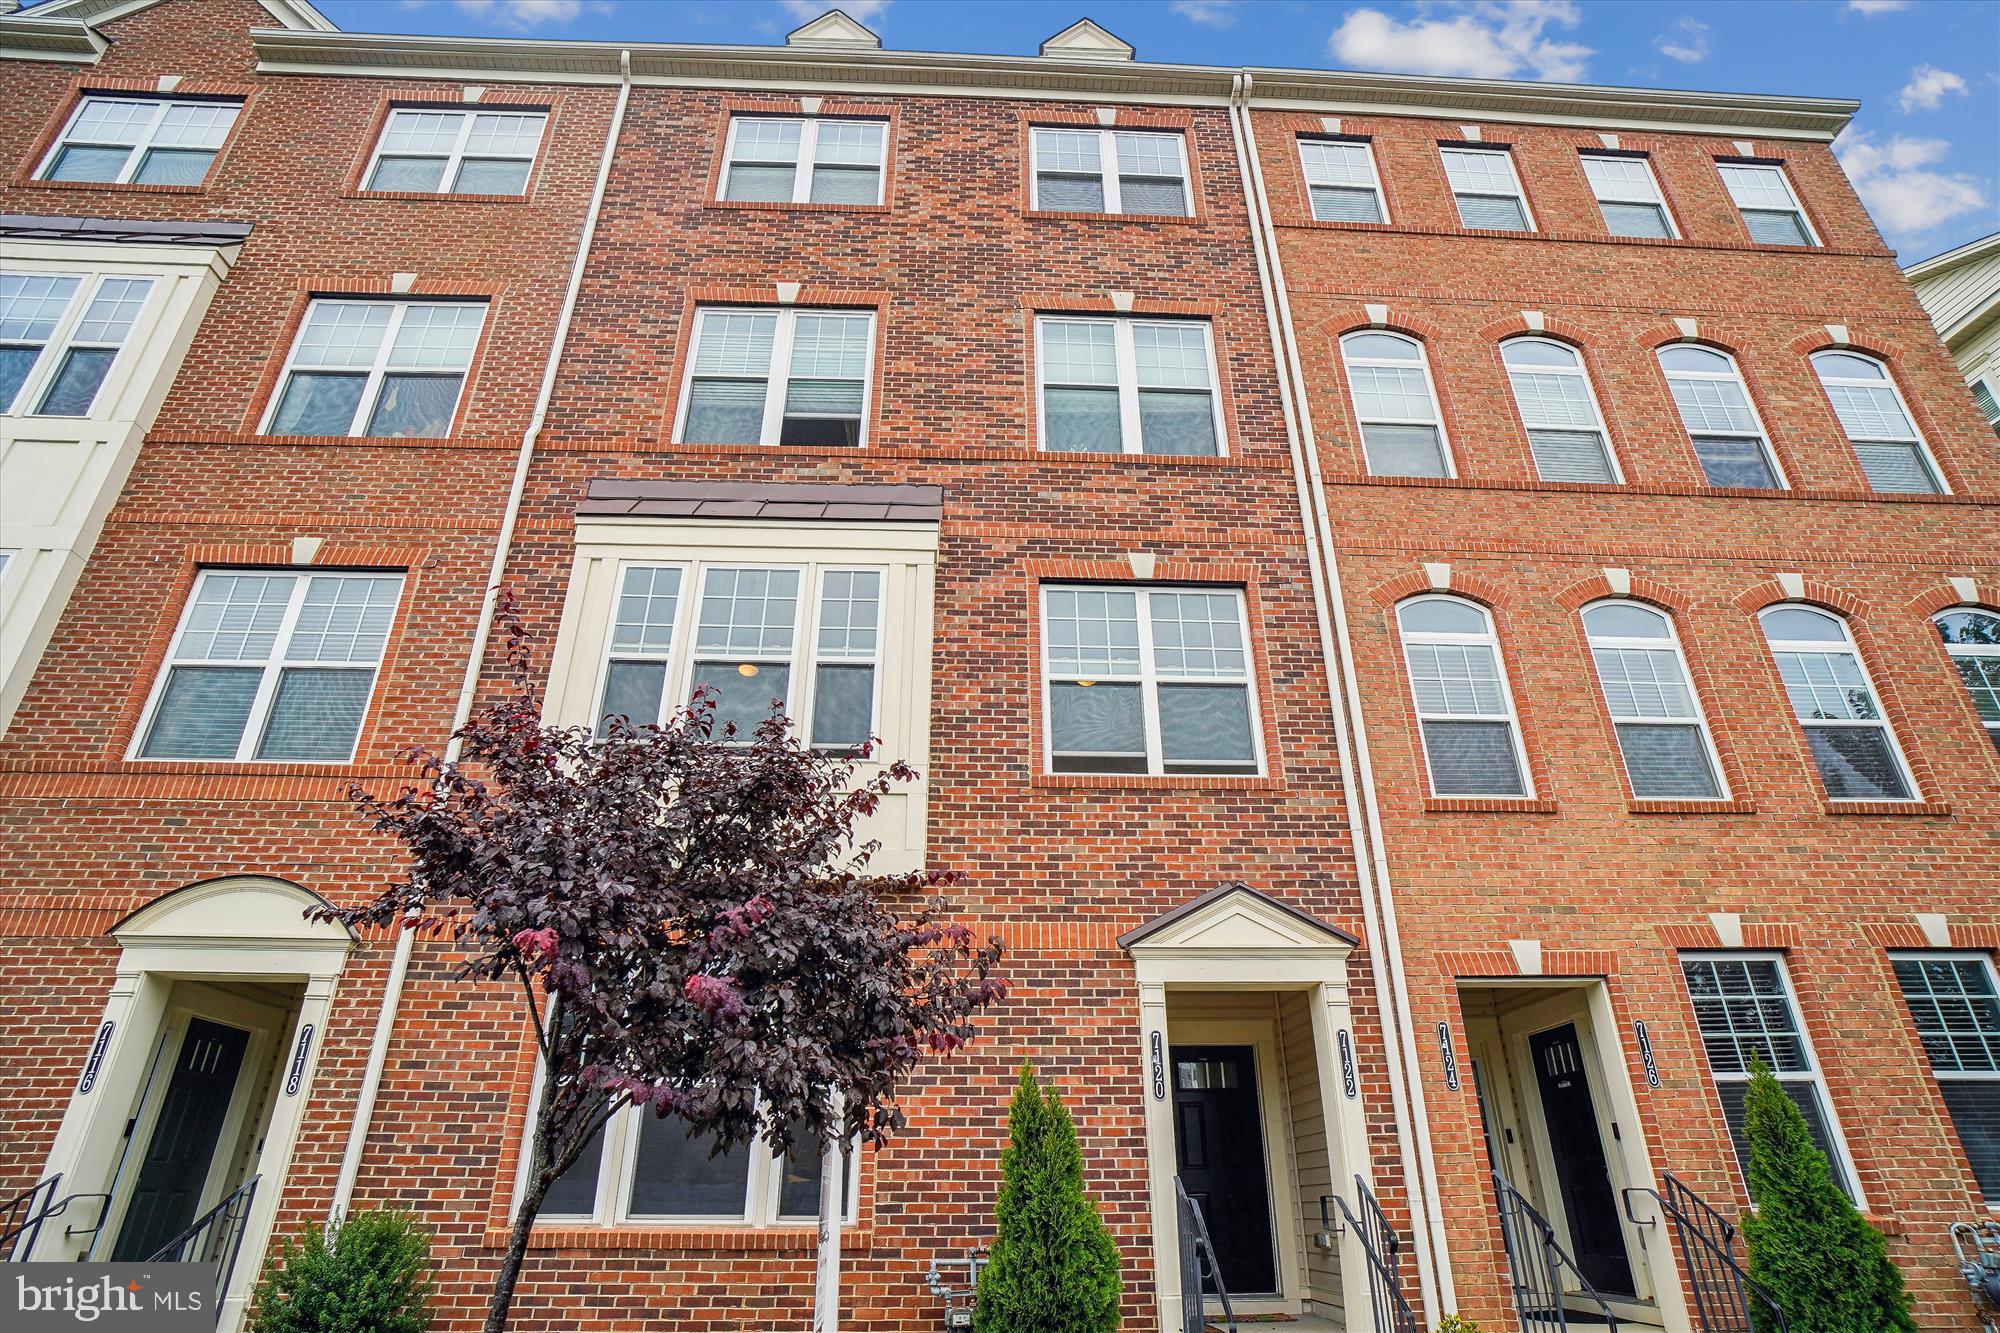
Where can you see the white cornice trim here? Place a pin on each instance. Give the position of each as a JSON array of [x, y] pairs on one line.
[[1950, 259], [68, 40], [298, 14]]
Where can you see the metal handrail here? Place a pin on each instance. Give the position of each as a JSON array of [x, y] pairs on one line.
[[1536, 1260], [21, 1218], [1723, 1289], [1196, 1250], [1380, 1248], [216, 1237]]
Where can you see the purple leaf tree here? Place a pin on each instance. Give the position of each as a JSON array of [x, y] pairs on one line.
[[690, 921]]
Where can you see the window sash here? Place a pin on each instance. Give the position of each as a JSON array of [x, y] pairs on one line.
[[777, 383], [1435, 421], [682, 655], [453, 158], [1696, 431], [1109, 173], [1584, 394], [1147, 676], [1978, 668], [1317, 178], [52, 354], [1470, 182], [1920, 473], [1611, 187], [1131, 419], [1692, 717], [1737, 177], [807, 161], [380, 370], [273, 665], [142, 146], [1866, 694], [1508, 714]]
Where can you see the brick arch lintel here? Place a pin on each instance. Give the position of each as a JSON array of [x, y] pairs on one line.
[[1597, 588], [1514, 326], [1656, 336], [1353, 318], [1771, 593], [1472, 587], [1944, 597]]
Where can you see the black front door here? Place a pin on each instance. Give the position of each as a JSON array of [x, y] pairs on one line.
[[167, 1188], [1597, 1241], [1219, 1147]]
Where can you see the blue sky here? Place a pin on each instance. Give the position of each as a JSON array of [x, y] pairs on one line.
[[1924, 151]]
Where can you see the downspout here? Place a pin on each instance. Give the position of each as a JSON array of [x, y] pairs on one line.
[[399, 966], [1350, 730]]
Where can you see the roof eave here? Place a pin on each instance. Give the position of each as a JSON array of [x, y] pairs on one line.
[[68, 40]]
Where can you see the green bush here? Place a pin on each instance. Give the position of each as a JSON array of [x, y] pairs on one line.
[[1451, 1323], [369, 1274], [1809, 1247], [1054, 1266]]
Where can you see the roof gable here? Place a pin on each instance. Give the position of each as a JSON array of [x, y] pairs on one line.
[[833, 28], [1235, 918], [1087, 40], [297, 15]]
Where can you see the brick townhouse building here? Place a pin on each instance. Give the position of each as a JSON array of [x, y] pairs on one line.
[[1052, 417]]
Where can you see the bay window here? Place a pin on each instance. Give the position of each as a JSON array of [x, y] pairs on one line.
[[60, 334]]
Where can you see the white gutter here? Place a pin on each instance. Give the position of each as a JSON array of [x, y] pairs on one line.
[[1406, 1096], [392, 991]]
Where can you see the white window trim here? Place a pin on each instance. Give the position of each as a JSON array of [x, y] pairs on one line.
[[1347, 363], [1881, 723], [1699, 716], [454, 158], [1580, 371], [681, 654], [1915, 437], [1107, 167], [62, 338], [1367, 147], [272, 665], [1659, 198], [1984, 960], [1734, 373], [802, 169], [137, 154], [777, 382], [1512, 717], [1513, 174], [1979, 650], [1816, 1075], [1148, 679], [1126, 359], [378, 371], [1785, 179], [1992, 386]]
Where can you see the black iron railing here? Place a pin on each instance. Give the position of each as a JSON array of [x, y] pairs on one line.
[[21, 1219], [1537, 1263], [1197, 1258], [1725, 1298], [1381, 1249], [215, 1238]]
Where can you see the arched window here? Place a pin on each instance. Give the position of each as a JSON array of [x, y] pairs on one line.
[[1877, 423], [1472, 741], [1973, 640], [1401, 435], [1565, 428], [1662, 734], [1836, 704], [1723, 426]]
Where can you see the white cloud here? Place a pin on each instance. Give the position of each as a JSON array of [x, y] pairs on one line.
[[1209, 13], [1895, 182], [1927, 86], [521, 15], [1877, 6], [1487, 39], [1686, 41], [861, 11]]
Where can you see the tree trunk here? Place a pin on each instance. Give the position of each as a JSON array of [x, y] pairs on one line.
[[826, 1288], [510, 1267]]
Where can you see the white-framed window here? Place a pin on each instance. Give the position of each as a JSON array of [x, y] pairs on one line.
[[643, 1169], [1987, 399], [1629, 195], [60, 334], [804, 160], [1763, 195], [1877, 423], [1956, 1007], [1465, 708], [1663, 737], [428, 150], [1139, 172], [733, 394], [1487, 189], [1127, 386], [1559, 410], [1744, 1009], [376, 367], [1836, 704], [1721, 421], [803, 638], [1972, 637], [139, 141], [270, 665], [1343, 181], [1402, 434], [1148, 680]]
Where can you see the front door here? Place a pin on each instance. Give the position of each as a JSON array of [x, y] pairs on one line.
[[1597, 1241], [181, 1150], [1219, 1149]]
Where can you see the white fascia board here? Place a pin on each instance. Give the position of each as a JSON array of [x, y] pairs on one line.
[[70, 41]]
